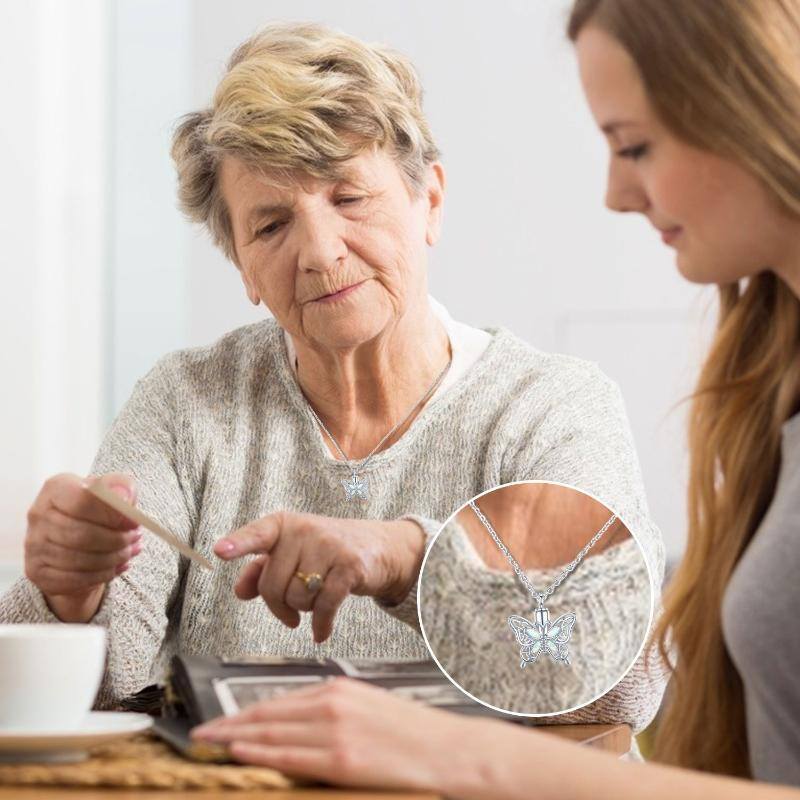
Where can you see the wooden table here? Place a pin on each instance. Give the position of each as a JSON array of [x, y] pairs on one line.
[[615, 739]]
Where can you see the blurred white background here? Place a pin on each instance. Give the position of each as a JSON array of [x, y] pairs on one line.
[[103, 276]]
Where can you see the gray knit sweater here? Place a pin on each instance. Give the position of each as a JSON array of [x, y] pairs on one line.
[[218, 436]]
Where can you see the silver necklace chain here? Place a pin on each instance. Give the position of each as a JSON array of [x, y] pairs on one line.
[[362, 465], [540, 596]]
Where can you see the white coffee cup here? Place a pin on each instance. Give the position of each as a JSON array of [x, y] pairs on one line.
[[49, 675]]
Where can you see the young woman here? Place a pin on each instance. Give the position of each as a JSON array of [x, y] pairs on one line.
[[700, 103]]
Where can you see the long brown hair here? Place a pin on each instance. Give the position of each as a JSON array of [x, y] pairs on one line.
[[724, 76]]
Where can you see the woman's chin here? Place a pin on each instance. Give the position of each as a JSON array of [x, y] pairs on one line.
[[686, 268], [348, 321], [694, 270], [345, 331], [705, 271]]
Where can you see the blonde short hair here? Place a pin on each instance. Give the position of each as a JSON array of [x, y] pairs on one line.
[[300, 98]]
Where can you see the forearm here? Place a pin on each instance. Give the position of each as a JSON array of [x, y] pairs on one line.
[[405, 608], [411, 540], [511, 763]]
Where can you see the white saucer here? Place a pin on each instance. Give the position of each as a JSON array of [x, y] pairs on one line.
[[70, 745]]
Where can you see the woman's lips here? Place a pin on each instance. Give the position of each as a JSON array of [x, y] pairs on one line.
[[329, 298]]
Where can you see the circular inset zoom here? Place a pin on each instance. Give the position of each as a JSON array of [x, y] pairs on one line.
[[535, 599]]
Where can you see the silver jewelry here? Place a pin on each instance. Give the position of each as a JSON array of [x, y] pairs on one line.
[[541, 635], [357, 486]]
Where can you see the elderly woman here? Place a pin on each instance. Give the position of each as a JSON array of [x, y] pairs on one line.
[[331, 440]]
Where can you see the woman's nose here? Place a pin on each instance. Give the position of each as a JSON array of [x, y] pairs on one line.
[[320, 243], [624, 192]]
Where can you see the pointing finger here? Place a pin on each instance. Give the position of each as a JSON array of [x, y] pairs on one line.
[[256, 537]]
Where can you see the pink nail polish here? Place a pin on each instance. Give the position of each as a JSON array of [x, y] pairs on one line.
[[136, 549], [225, 546], [122, 491]]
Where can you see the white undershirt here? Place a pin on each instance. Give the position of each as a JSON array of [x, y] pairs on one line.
[[466, 344]]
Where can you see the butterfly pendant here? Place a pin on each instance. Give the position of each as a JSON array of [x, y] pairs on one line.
[[542, 636], [355, 488]]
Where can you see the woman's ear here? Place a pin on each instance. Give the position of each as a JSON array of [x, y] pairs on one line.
[[252, 293], [434, 191], [249, 286]]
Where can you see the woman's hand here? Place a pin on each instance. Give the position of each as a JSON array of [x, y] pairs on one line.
[[364, 557], [347, 732], [75, 544]]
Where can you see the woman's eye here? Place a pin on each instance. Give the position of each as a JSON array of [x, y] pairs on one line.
[[348, 200], [633, 153], [267, 230]]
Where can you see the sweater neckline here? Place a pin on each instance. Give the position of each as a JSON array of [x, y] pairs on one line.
[[427, 416]]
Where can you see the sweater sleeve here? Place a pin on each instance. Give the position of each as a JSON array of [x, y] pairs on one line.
[[588, 443], [582, 438], [135, 610]]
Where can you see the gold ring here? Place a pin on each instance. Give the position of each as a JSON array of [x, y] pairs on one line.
[[313, 580]]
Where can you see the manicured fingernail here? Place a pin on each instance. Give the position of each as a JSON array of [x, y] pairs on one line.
[[122, 567], [121, 490], [136, 549], [224, 546]]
